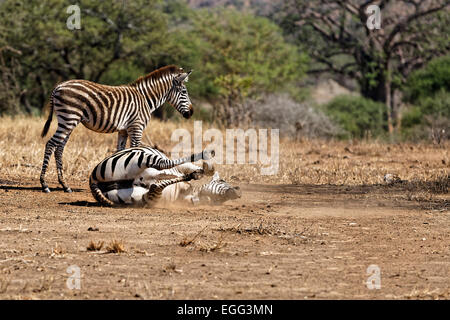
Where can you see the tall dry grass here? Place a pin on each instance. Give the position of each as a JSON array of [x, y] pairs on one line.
[[301, 162]]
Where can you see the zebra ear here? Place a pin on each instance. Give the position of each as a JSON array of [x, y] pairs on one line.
[[215, 176], [186, 79], [183, 77]]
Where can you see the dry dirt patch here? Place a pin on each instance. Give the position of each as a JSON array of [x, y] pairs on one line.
[[311, 231], [288, 242]]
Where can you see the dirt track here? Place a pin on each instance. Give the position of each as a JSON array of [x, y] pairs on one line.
[[277, 242]]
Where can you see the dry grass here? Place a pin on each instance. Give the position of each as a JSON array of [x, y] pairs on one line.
[[428, 294], [45, 284], [215, 246], [4, 283], [116, 246], [185, 242], [58, 250], [95, 246], [260, 229], [301, 162]]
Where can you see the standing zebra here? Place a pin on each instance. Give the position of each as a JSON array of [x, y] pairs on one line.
[[124, 109]]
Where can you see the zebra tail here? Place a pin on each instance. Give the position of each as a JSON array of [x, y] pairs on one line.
[[49, 119], [98, 195]]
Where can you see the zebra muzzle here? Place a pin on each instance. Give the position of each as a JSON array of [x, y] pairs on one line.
[[188, 113], [233, 193]]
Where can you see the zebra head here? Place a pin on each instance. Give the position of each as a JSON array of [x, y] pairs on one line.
[[178, 95], [219, 190]]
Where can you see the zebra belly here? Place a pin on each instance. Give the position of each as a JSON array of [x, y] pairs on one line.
[[106, 129], [174, 192], [132, 195]]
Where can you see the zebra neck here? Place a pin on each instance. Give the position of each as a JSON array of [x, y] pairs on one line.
[[155, 91]]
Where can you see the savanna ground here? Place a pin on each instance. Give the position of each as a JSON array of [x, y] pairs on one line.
[[309, 232]]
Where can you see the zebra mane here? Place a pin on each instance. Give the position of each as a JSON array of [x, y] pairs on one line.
[[158, 73]]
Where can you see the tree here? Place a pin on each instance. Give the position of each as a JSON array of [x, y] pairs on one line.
[[336, 35], [235, 55], [111, 32], [241, 56]]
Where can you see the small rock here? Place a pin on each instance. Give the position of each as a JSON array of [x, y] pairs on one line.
[[390, 178], [92, 229]]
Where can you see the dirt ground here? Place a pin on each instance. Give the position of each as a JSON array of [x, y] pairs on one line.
[[309, 232], [276, 242]]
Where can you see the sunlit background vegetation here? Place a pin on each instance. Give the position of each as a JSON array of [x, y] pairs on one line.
[[311, 68]]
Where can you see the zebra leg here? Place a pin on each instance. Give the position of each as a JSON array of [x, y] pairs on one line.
[[135, 133], [57, 143], [168, 163], [156, 189], [50, 147], [59, 164], [122, 140]]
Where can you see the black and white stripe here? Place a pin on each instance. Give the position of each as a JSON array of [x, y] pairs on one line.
[[124, 109], [139, 175], [216, 191]]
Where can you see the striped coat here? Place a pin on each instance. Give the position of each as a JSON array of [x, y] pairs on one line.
[[139, 175], [216, 191], [124, 109]]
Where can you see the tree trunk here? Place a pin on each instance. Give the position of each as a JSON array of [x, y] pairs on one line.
[[381, 91], [389, 108], [397, 106]]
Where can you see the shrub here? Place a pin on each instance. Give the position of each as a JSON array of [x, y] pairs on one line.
[[292, 118], [428, 90], [358, 116], [429, 80], [429, 118]]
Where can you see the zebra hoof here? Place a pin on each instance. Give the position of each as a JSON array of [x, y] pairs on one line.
[[194, 176], [68, 190], [46, 190]]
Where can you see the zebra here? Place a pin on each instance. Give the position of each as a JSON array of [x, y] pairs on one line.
[[125, 109], [139, 175], [217, 191]]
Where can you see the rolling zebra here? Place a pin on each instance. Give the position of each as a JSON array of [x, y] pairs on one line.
[[124, 109], [139, 175]]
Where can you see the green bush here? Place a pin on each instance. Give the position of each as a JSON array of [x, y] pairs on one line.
[[429, 80], [429, 113], [437, 106], [428, 91], [358, 116]]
